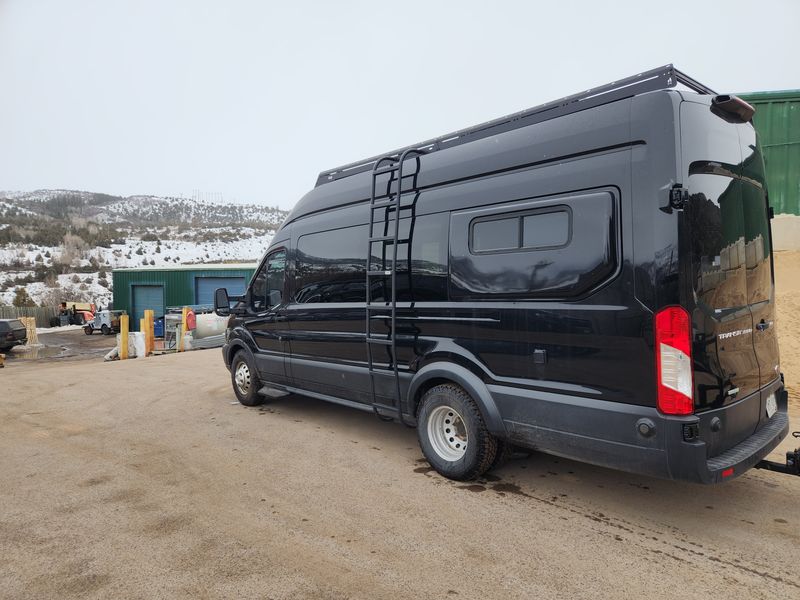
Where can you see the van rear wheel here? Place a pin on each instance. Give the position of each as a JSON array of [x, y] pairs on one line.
[[453, 435], [245, 380]]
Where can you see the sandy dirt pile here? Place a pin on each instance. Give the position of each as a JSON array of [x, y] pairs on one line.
[[787, 290]]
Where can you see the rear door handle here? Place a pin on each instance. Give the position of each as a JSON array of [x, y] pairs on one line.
[[763, 325]]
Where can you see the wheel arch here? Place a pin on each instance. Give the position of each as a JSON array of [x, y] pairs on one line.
[[440, 372], [238, 346]]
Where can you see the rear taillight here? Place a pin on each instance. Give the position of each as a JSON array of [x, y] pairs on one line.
[[674, 361]]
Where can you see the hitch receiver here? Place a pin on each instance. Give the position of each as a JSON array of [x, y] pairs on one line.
[[792, 466]]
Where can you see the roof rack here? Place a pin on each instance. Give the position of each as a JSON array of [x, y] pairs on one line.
[[655, 79]]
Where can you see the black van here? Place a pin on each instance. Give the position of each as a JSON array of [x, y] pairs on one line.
[[591, 278]]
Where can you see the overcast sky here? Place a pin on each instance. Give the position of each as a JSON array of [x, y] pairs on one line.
[[250, 100]]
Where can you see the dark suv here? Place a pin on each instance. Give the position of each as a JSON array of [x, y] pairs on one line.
[[591, 278], [12, 333]]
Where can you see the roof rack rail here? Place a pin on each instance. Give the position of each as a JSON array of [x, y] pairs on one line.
[[655, 79]]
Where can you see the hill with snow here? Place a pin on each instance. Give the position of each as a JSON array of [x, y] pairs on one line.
[[62, 244]]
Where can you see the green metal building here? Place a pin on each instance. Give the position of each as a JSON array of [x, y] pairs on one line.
[[160, 288], [777, 121]]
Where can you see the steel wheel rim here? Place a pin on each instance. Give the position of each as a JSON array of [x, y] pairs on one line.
[[447, 433], [242, 378]]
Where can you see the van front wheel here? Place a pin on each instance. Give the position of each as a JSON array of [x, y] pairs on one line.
[[245, 380], [452, 434]]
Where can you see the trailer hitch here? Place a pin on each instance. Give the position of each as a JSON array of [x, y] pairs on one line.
[[792, 466]]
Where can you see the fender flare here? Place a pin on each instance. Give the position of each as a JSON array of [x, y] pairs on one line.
[[235, 346], [471, 383]]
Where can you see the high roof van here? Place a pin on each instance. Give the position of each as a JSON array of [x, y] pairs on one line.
[[591, 278]]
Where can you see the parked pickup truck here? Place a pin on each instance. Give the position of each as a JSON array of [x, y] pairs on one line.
[[12, 333]]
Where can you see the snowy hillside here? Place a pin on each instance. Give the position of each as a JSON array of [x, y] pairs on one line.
[[62, 245]]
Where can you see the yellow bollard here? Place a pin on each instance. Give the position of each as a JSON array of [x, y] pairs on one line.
[[182, 328], [149, 335], [123, 337], [30, 330]]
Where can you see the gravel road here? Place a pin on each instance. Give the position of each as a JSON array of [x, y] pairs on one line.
[[148, 482]]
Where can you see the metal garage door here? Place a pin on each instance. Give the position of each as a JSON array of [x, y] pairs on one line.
[[146, 297], [205, 286]]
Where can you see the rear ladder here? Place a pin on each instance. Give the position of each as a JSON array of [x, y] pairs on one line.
[[385, 231]]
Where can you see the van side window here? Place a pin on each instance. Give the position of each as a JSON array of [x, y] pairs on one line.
[[555, 247], [495, 234], [541, 229], [331, 266], [267, 288], [545, 230]]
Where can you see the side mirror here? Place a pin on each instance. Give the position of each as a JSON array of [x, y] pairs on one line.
[[222, 304]]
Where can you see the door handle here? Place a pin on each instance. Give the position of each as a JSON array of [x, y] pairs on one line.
[[762, 325]]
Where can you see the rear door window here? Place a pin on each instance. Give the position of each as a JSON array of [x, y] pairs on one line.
[[718, 242]]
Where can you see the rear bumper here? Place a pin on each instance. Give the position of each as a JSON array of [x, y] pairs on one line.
[[750, 452], [610, 434]]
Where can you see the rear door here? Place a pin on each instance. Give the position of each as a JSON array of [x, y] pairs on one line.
[[725, 365]]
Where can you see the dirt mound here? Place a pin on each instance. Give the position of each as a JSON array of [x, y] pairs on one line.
[[787, 289]]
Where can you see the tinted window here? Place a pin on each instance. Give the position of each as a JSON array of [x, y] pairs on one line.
[[427, 280], [267, 288], [495, 234], [564, 247], [528, 230], [718, 248], [331, 265], [727, 213], [545, 229], [756, 235]]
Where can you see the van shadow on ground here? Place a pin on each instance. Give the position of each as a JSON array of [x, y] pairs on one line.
[[537, 478]]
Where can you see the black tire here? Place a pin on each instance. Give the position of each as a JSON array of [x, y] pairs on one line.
[[105, 329], [88, 330], [505, 451], [246, 391], [448, 404]]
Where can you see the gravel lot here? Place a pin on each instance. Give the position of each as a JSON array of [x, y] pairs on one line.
[[141, 479], [149, 483]]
